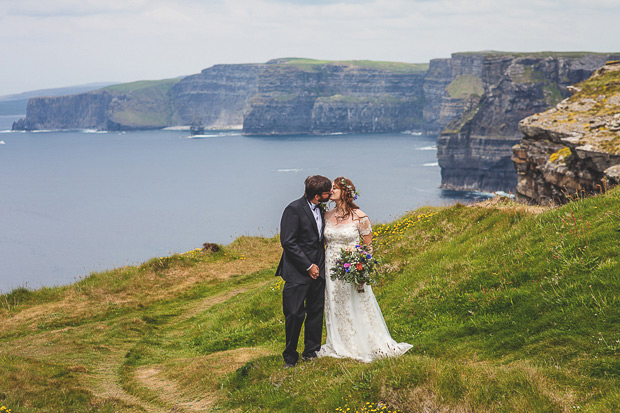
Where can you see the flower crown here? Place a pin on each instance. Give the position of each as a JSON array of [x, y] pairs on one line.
[[353, 192]]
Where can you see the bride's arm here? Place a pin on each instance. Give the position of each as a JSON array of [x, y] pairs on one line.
[[365, 229]]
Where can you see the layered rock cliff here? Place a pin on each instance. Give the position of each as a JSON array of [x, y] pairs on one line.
[[573, 148], [488, 94], [303, 97], [216, 97], [283, 96]]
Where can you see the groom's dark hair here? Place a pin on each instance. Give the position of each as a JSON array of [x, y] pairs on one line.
[[316, 185]]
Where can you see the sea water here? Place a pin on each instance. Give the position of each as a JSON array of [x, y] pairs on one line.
[[82, 201]]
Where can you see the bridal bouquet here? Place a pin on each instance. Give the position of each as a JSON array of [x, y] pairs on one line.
[[355, 266]]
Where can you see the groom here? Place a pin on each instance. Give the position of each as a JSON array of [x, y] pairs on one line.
[[303, 269]]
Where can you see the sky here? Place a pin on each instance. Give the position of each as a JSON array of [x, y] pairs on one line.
[[56, 43]]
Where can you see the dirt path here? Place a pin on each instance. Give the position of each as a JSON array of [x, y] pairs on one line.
[[206, 369], [204, 393]]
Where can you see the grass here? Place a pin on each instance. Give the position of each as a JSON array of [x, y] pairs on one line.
[[147, 86], [146, 103], [542, 54], [464, 86], [313, 64], [507, 310]]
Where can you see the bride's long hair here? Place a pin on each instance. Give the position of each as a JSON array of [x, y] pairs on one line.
[[347, 195]]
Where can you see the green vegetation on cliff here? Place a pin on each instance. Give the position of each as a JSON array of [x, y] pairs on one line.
[[464, 86], [145, 104], [575, 54], [313, 64], [148, 87], [508, 309]]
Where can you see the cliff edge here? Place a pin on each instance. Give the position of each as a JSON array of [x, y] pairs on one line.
[[485, 97], [573, 148]]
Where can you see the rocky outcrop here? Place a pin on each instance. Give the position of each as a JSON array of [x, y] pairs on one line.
[[488, 94], [331, 97], [574, 148]]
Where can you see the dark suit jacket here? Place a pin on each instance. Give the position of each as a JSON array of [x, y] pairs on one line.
[[301, 243]]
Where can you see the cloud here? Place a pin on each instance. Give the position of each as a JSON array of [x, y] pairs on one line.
[[64, 42]]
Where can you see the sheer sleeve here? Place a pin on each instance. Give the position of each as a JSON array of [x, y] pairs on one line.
[[364, 225]]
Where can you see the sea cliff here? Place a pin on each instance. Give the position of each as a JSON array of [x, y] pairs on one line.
[[282, 96], [481, 106], [304, 96], [574, 148]]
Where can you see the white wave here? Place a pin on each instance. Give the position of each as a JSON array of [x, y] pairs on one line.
[[504, 194], [336, 133], [410, 132], [431, 164], [290, 170], [93, 131], [427, 148], [2, 142], [202, 136]]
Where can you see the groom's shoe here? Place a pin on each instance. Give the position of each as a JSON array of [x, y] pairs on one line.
[[309, 357]]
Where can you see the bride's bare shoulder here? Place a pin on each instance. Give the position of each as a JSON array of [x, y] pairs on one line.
[[359, 214]]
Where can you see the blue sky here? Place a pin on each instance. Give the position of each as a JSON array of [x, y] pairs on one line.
[[55, 43]]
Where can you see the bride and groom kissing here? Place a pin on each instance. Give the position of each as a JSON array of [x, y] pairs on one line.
[[312, 241]]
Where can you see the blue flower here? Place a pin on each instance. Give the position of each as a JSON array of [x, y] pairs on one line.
[[369, 256], [346, 269]]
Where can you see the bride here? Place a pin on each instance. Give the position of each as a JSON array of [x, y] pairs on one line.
[[355, 326]]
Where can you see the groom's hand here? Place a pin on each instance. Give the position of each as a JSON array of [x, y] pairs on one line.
[[313, 271]]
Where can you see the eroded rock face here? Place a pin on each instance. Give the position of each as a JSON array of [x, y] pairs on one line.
[[475, 147], [87, 110], [573, 148], [334, 98], [217, 96]]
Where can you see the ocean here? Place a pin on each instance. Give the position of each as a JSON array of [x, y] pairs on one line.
[[73, 202]]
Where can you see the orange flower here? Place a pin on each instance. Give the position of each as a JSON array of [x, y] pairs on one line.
[[359, 266]]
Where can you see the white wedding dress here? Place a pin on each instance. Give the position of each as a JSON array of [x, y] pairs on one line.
[[355, 326]]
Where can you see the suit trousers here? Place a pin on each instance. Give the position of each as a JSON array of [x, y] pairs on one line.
[[303, 302]]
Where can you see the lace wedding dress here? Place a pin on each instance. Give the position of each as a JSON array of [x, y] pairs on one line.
[[355, 326]]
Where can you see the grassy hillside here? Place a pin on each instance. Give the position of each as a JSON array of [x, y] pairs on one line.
[[145, 104], [508, 309]]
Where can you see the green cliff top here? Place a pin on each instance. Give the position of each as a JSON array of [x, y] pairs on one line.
[[142, 86], [313, 64], [542, 54], [508, 308]]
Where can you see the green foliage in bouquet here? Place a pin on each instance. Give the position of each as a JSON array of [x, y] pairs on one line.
[[355, 266]]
